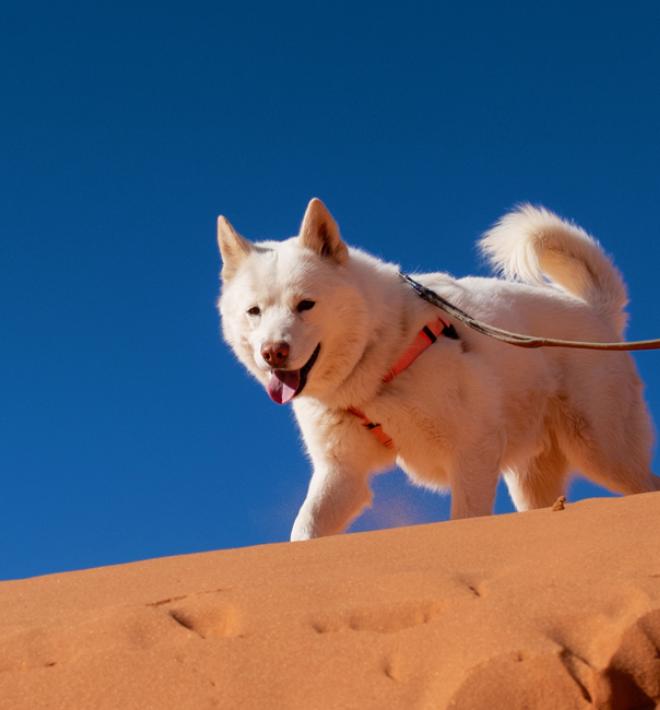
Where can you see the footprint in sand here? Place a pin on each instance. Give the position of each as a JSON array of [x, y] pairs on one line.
[[205, 615], [382, 619]]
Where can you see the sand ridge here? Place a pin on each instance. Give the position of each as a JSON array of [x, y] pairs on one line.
[[549, 609]]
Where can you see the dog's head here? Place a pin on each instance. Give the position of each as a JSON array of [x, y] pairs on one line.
[[290, 310]]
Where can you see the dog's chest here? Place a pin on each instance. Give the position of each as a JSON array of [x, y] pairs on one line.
[[423, 434]]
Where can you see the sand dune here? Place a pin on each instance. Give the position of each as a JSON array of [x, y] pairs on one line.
[[549, 609]]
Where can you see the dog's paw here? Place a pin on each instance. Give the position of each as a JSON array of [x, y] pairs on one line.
[[303, 528], [300, 533]]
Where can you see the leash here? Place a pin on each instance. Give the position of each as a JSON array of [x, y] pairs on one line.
[[519, 339]]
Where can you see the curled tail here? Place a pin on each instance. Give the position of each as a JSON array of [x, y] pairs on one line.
[[531, 243]]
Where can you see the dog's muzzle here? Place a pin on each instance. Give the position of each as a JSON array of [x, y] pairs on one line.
[[284, 385]]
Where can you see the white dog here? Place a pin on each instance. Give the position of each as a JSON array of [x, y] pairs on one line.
[[379, 377]]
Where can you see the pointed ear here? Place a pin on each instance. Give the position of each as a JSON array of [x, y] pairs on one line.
[[233, 248], [320, 232]]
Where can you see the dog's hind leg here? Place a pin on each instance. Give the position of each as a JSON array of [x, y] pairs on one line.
[[540, 482], [612, 447], [625, 473]]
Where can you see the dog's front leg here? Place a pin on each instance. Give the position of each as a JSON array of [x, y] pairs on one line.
[[473, 498], [473, 479], [335, 497], [344, 455]]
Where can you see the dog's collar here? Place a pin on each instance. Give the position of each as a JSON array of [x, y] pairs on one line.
[[424, 339]]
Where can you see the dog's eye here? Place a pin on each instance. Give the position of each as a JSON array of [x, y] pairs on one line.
[[254, 311], [305, 305]]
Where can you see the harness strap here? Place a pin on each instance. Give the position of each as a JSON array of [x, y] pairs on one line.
[[375, 429], [424, 339]]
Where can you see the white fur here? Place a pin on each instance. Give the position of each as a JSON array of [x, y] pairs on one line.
[[466, 410]]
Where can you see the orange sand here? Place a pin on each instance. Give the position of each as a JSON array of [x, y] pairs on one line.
[[549, 609]]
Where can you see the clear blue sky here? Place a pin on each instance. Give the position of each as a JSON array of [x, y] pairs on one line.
[[127, 429]]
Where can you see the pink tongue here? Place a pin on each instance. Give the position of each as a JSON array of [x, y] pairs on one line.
[[283, 385]]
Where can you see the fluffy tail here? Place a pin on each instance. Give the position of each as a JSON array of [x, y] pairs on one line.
[[532, 245]]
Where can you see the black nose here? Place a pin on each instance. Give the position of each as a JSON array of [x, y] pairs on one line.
[[275, 354]]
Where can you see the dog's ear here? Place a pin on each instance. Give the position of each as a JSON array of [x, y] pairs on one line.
[[320, 232], [233, 248]]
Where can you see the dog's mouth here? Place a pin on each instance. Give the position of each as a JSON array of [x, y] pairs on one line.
[[284, 385]]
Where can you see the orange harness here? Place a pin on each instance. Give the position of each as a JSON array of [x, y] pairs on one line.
[[424, 339]]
